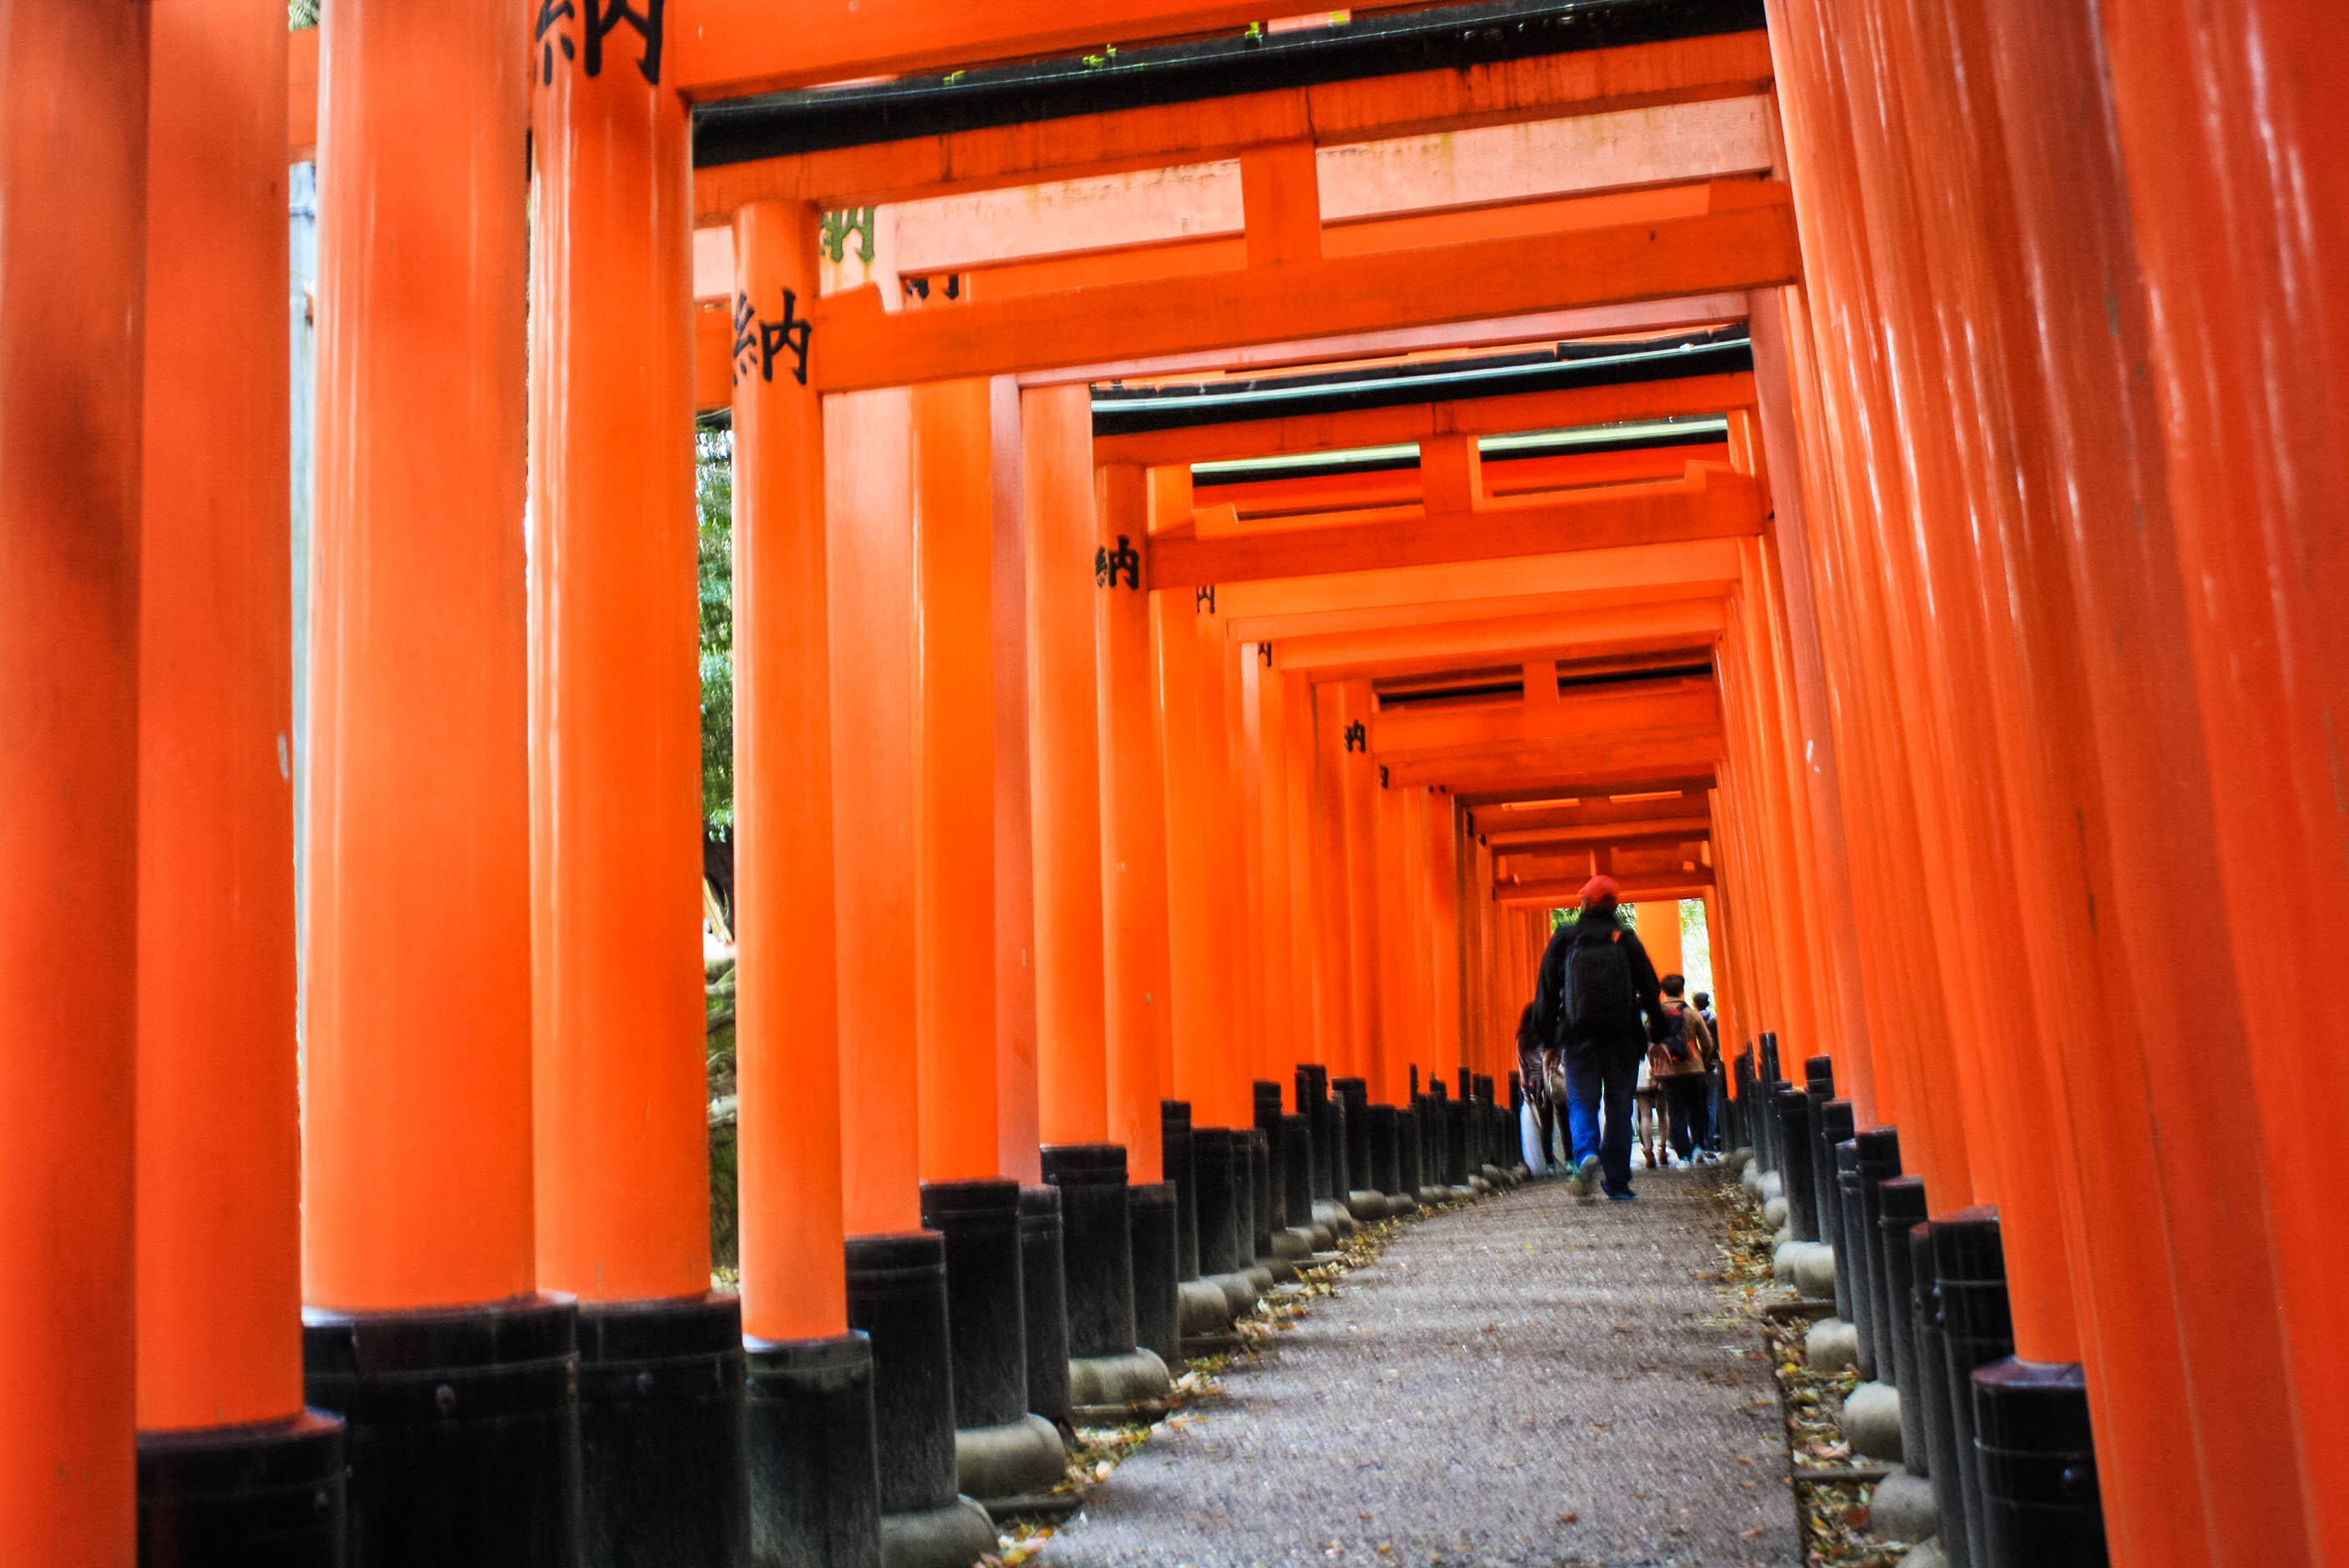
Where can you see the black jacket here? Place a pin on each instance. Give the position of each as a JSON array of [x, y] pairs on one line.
[[1549, 993]]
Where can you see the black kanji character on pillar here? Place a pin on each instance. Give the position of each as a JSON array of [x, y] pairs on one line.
[[1203, 599], [602, 18], [757, 341], [603, 15], [746, 339], [1263, 652], [790, 333], [1357, 737], [1108, 563], [550, 13], [1383, 775]]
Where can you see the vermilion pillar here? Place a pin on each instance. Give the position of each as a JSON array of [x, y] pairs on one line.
[[1660, 934], [1395, 943], [418, 1179], [1284, 982], [1017, 1134], [1300, 949], [954, 749], [1242, 804], [2240, 219], [218, 1166], [1447, 949], [811, 1407], [620, 1080], [1334, 952], [1355, 885], [1133, 828], [869, 499], [1190, 722], [72, 200], [785, 872], [1064, 780], [616, 737]]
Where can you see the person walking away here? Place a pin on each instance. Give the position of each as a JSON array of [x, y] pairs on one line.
[[1676, 1063], [1716, 1075], [1537, 1122], [1644, 1097], [1595, 985]]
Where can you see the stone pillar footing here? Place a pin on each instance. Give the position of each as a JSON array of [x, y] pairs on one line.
[[954, 1534], [208, 1496], [1110, 1390], [815, 1487], [461, 1430], [2040, 1503], [1005, 1465], [663, 1432]]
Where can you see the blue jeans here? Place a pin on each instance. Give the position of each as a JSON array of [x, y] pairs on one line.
[[1606, 1133]]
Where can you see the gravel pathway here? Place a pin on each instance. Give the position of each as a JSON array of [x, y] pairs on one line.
[[1534, 1382]]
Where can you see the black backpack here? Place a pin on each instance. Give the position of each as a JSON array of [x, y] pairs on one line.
[[1599, 1005]]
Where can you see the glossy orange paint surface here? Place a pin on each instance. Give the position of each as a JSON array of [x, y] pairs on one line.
[[1136, 982], [1201, 850], [219, 1171], [1071, 1046], [619, 1075], [2236, 149], [73, 86], [787, 1032], [954, 760], [1354, 868], [1018, 1136], [869, 503], [416, 1173]]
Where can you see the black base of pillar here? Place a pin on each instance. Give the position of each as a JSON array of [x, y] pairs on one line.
[[1109, 1378], [897, 1297], [815, 1485], [1940, 1426], [1876, 1159], [1223, 1246], [1408, 1151], [268, 1495], [1297, 1171], [1386, 1161], [1263, 1201], [1157, 1317], [2041, 1507], [1000, 1451], [663, 1442], [1175, 1161], [462, 1433], [1970, 1272], [1900, 1202], [1045, 1293]]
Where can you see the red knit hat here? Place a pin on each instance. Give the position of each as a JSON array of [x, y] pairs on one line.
[[1598, 888]]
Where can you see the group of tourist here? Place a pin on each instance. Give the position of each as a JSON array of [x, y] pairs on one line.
[[1603, 1036]]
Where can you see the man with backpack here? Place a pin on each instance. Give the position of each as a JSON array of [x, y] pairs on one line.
[[1595, 985], [1677, 1064]]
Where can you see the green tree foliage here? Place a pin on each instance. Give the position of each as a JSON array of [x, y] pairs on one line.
[[301, 14], [714, 494]]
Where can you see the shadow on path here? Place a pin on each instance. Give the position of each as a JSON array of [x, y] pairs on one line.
[[1534, 1382]]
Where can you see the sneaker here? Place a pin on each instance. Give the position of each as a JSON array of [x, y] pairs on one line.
[[1585, 1177], [1625, 1196]]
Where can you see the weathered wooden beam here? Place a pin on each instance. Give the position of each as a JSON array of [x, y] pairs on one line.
[[857, 346], [1373, 108], [1708, 503]]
